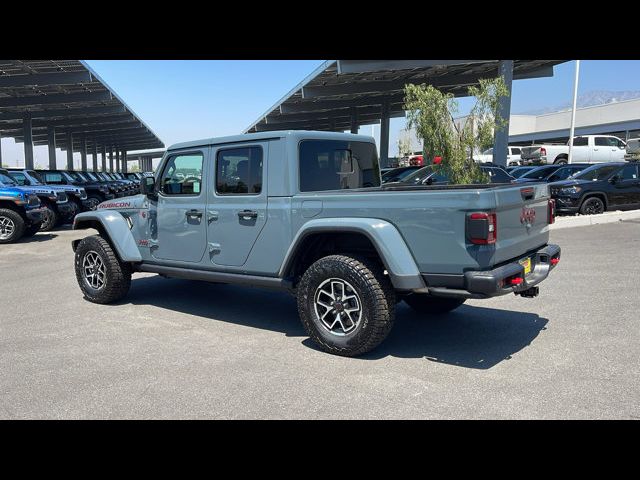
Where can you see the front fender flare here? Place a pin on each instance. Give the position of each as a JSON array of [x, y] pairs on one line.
[[115, 228], [384, 236]]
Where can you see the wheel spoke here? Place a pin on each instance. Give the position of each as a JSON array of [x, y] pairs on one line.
[[337, 306]]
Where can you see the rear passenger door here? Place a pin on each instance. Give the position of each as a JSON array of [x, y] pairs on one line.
[[237, 201]]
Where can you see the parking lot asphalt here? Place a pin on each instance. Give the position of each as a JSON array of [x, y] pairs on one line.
[[183, 349]]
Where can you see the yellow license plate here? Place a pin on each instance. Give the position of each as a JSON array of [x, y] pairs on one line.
[[526, 263]]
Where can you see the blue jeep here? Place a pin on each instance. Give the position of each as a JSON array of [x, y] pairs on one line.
[[20, 214], [55, 204]]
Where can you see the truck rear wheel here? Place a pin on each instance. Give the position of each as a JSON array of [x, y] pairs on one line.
[[423, 303], [346, 304], [561, 161], [102, 277], [11, 226]]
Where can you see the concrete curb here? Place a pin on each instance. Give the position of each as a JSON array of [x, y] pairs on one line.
[[586, 220]]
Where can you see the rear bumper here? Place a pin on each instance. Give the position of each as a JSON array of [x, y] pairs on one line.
[[492, 283]]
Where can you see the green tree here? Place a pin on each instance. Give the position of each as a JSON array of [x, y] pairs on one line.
[[431, 112]]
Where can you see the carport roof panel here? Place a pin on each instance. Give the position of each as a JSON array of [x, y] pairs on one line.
[[64, 92], [324, 99]]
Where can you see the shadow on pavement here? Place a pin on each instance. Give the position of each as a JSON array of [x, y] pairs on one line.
[[470, 336], [38, 237]]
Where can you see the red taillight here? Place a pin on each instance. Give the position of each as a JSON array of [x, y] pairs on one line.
[[555, 261], [482, 228], [516, 281], [543, 151], [552, 211]]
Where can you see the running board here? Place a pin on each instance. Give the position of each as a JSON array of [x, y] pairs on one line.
[[219, 277]]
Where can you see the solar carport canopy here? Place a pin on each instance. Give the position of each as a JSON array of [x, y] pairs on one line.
[[67, 100], [341, 94]]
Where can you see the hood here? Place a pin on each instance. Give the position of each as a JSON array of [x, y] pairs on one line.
[[40, 189], [569, 183], [134, 202]]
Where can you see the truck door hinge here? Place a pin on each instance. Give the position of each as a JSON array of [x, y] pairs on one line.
[[214, 248], [212, 216]]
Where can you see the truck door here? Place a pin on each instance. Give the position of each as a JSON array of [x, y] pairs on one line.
[[617, 148], [179, 229], [237, 201], [581, 151], [601, 151]]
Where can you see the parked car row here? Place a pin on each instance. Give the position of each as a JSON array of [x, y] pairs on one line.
[[577, 187], [40, 200]]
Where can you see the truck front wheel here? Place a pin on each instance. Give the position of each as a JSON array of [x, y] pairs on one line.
[[11, 225], [423, 303], [346, 304], [102, 277]]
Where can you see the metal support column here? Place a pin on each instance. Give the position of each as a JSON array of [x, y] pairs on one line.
[[94, 153], [83, 152], [104, 157], [117, 160], [384, 135], [0, 149], [354, 120], [28, 141], [111, 159], [70, 150], [124, 161], [501, 141], [51, 143]]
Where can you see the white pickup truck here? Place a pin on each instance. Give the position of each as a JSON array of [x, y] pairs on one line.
[[586, 149]]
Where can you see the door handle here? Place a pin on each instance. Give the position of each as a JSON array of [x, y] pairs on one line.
[[193, 213], [247, 214]]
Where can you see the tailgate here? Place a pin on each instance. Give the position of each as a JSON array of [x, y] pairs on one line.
[[522, 218], [530, 152]]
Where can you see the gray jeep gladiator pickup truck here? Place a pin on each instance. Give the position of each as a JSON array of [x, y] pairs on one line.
[[306, 212]]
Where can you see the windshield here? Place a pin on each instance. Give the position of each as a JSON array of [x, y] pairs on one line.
[[397, 175], [90, 175], [597, 172], [419, 175], [37, 179], [78, 177], [538, 173], [7, 180], [518, 172]]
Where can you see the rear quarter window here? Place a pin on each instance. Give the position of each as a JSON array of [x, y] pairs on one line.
[[337, 165]]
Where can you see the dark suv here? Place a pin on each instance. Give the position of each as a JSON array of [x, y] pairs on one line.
[[97, 192], [602, 187]]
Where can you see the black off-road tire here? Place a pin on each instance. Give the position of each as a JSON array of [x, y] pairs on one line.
[[95, 200], [376, 295], [18, 225], [117, 278], [561, 161], [427, 304], [31, 230], [592, 206], [50, 218]]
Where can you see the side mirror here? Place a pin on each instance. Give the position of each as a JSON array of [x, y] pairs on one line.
[[429, 181], [615, 179], [148, 187]]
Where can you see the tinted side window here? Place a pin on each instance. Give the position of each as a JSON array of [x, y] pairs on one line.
[[498, 175], [53, 177], [629, 172], [239, 171], [336, 165], [602, 142], [581, 141], [182, 175], [515, 151]]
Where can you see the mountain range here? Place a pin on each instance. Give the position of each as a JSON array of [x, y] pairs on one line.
[[589, 99]]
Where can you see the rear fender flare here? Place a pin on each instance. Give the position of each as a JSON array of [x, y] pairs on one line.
[[385, 237]]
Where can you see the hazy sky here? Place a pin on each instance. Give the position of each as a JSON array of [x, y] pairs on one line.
[[186, 100]]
